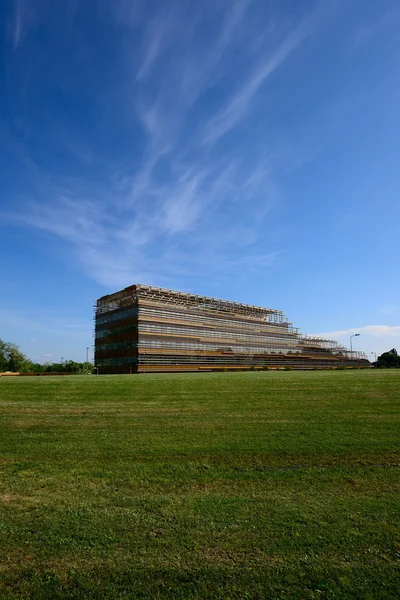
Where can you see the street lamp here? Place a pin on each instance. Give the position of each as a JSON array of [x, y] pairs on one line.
[[351, 345]]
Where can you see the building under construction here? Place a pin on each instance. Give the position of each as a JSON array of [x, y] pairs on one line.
[[144, 329]]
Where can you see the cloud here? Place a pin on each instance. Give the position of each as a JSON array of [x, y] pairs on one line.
[[185, 61], [21, 18], [158, 36], [156, 194], [183, 207], [372, 330], [239, 104], [118, 246], [28, 14], [374, 339]]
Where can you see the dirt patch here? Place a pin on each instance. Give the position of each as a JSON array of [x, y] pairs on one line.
[[10, 498]]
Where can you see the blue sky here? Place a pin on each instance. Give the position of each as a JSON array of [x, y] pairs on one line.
[[244, 149]]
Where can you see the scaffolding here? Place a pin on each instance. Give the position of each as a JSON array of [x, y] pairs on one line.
[[129, 295], [146, 328]]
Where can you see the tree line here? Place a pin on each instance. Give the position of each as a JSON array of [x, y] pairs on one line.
[[12, 359]]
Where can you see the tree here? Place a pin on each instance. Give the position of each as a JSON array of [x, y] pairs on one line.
[[11, 359], [389, 360], [36, 367], [69, 366]]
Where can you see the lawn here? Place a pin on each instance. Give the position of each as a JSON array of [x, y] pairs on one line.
[[213, 485]]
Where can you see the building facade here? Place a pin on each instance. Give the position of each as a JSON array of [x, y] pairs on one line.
[[143, 329]]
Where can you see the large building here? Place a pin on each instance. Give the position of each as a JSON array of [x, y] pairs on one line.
[[145, 329]]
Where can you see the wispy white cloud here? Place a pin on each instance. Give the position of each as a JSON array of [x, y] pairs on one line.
[[269, 62], [158, 36], [28, 14], [17, 24], [118, 247], [182, 209], [126, 211], [23, 19], [187, 64]]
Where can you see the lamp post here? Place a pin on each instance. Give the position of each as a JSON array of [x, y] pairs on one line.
[[87, 354], [351, 344]]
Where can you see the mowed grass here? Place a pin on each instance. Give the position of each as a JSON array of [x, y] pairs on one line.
[[225, 485]]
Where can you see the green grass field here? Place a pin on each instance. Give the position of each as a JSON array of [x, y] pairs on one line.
[[218, 485]]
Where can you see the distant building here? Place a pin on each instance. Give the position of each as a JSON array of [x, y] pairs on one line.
[[144, 329]]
